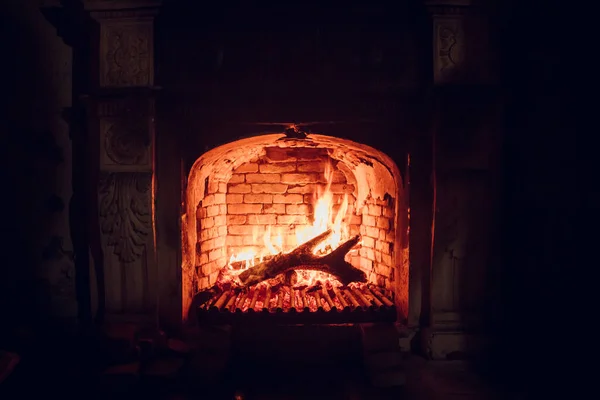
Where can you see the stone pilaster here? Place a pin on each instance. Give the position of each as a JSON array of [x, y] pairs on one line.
[[464, 155], [121, 119]]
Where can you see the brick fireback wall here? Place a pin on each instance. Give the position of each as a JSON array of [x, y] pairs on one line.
[[277, 190]]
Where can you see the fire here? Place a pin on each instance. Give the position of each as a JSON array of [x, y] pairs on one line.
[[324, 218]]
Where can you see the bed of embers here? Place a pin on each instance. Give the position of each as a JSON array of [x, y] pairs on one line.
[[299, 286], [280, 303]]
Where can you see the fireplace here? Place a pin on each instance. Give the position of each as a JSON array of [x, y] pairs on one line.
[[253, 204], [184, 192]]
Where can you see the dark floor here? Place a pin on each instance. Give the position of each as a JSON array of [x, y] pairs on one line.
[[425, 380], [67, 370]]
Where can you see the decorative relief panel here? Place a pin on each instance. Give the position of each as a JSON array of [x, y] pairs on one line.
[[448, 49], [125, 144], [125, 215], [126, 54]]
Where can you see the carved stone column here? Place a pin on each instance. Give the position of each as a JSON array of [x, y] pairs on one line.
[[121, 124], [465, 153]]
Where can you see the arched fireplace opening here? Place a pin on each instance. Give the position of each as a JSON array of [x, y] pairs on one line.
[[252, 205]]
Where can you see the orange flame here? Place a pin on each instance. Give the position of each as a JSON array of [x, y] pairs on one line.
[[324, 218]]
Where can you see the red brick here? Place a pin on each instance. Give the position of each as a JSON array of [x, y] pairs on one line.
[[369, 221], [388, 212], [377, 255], [217, 198], [251, 240], [245, 208], [390, 236], [342, 188], [368, 242], [299, 179], [356, 219], [258, 198], [367, 253], [382, 234], [237, 178], [279, 154], [203, 283], [233, 240], [220, 220], [269, 188], [211, 244], [384, 247], [248, 167], [236, 219], [288, 198], [300, 209], [310, 154], [382, 269], [263, 178], [383, 223], [338, 177], [311, 166], [212, 211], [203, 258], [209, 233], [277, 168], [212, 278], [290, 241], [371, 231], [239, 249], [274, 209], [387, 259], [310, 188], [206, 223], [216, 254], [200, 212], [235, 198], [240, 188], [292, 219], [213, 267], [262, 219], [222, 187], [213, 187], [374, 210], [354, 230], [246, 229], [366, 264]]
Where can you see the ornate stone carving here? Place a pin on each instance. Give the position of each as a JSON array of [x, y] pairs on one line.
[[127, 54], [127, 142], [125, 213], [449, 47]]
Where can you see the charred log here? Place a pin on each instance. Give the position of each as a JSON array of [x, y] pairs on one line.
[[302, 257]]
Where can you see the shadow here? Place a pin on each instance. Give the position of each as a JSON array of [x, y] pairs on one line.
[[30, 162], [538, 182]]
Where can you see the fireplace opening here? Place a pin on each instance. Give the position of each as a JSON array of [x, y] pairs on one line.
[[303, 229]]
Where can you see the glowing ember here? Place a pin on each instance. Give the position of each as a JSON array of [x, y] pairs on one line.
[[324, 219]]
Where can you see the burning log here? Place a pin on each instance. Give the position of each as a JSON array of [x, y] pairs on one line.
[[267, 299], [302, 257], [292, 298], [351, 298], [359, 296], [254, 299], [341, 299], [384, 299], [328, 299], [221, 301]]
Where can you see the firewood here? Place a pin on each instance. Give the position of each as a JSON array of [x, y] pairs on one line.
[[302, 257]]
